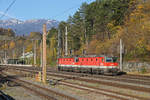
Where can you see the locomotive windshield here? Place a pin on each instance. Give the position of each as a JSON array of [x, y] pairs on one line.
[[108, 59], [111, 59]]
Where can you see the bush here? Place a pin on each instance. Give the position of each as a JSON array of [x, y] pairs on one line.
[[143, 70]]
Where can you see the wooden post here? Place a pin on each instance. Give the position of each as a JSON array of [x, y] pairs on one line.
[[44, 53]]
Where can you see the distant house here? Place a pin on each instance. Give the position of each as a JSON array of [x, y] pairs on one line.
[[27, 55]]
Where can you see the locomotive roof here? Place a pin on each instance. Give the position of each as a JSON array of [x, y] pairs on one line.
[[86, 56]]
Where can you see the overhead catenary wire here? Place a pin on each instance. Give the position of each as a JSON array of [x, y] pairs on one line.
[[57, 15], [65, 11], [9, 16], [5, 12]]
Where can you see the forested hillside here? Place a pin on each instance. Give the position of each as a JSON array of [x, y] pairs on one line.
[[97, 28]]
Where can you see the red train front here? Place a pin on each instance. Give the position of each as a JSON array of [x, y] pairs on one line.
[[98, 65]]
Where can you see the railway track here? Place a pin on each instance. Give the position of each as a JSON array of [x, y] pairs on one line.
[[4, 96], [72, 85], [106, 92], [129, 77], [45, 93], [125, 78], [98, 90]]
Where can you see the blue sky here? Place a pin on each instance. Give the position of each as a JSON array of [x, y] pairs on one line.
[[36, 9]]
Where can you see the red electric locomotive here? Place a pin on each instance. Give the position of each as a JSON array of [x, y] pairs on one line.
[[90, 64]]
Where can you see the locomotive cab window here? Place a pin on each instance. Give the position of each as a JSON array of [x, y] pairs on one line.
[[109, 59], [76, 59]]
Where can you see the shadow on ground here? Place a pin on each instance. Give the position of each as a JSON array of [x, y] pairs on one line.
[[4, 82], [4, 96]]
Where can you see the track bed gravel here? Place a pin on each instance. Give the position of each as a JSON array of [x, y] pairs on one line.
[[19, 93], [79, 94], [54, 82]]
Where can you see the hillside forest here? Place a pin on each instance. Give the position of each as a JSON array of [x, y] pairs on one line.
[[95, 29]]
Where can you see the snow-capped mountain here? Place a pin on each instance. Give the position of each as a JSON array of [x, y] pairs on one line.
[[25, 27]]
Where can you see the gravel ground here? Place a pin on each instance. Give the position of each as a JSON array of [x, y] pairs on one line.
[[80, 94], [137, 73], [125, 91], [83, 94], [19, 93], [32, 80], [120, 90]]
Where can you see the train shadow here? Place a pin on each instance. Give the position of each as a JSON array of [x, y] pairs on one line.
[[55, 82], [115, 74], [7, 82], [122, 73]]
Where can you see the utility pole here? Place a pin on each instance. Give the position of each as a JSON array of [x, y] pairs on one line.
[[86, 42], [121, 68], [5, 51], [34, 52], [23, 50], [41, 49], [44, 53], [66, 43], [58, 51], [13, 51], [23, 54], [13, 54]]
